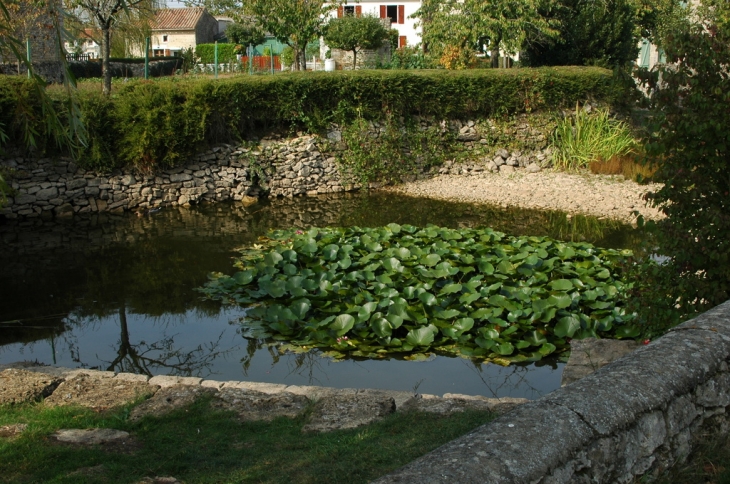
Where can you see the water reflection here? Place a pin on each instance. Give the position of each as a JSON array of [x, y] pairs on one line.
[[116, 292]]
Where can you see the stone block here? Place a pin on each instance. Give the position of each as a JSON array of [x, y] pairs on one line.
[[168, 381]]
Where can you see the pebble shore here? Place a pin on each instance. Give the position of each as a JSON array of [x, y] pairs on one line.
[[610, 197]]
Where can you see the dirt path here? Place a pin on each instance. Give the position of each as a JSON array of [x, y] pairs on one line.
[[602, 196]]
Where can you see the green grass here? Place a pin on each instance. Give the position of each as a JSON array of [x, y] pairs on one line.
[[709, 463], [200, 445], [588, 138]]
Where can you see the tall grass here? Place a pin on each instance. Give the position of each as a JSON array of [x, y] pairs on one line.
[[627, 165], [586, 137]]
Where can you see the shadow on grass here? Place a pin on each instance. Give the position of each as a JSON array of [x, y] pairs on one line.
[[200, 445]]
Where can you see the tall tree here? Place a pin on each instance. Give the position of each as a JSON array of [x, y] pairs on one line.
[[354, 34], [105, 15], [592, 32], [502, 24], [293, 22]]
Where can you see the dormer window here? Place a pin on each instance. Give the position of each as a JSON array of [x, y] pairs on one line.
[[164, 38]]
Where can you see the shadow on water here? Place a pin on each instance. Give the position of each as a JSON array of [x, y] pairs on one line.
[[116, 291]]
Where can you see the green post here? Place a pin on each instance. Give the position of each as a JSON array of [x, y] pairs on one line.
[[28, 56], [215, 60], [147, 58], [250, 59], [271, 55]]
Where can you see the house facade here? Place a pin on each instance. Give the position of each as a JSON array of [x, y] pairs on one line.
[[399, 14], [175, 29]]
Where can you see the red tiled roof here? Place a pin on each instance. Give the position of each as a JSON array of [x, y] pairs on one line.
[[177, 18]]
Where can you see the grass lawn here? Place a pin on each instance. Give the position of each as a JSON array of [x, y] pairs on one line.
[[200, 445]]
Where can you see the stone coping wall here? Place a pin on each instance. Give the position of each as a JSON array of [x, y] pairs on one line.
[[636, 416], [276, 166]]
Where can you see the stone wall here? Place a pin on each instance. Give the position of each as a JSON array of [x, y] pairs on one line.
[[636, 416], [276, 166]]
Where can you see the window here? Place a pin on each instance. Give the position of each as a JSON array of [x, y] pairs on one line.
[[349, 10], [164, 38], [396, 13], [355, 10]]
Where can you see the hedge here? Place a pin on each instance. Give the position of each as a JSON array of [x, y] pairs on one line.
[[206, 53], [148, 123]]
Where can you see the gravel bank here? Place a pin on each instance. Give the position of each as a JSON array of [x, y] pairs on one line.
[[598, 195]]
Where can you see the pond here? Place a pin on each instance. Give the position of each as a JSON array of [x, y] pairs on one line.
[[116, 291]]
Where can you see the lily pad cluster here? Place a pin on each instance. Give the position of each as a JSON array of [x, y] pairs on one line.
[[476, 293]]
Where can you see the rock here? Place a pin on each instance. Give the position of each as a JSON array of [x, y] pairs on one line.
[[349, 410], [506, 169], [253, 405], [589, 354], [491, 166], [247, 201], [168, 399], [13, 430], [532, 168], [18, 386], [467, 134], [498, 161], [180, 177], [335, 135], [23, 198], [159, 480], [76, 183], [99, 393], [89, 436], [458, 403], [47, 193], [65, 210], [502, 153], [128, 180]]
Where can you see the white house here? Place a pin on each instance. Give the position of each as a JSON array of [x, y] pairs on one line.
[[399, 13]]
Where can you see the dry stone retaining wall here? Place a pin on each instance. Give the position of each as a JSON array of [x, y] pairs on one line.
[[636, 416], [303, 165]]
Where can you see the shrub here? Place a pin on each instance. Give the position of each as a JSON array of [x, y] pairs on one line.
[[586, 138], [147, 123], [206, 53]]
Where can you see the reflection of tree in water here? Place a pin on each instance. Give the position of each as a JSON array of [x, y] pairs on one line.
[[509, 379], [307, 364]]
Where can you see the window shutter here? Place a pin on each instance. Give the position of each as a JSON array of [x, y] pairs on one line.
[[402, 42], [383, 11], [358, 11], [340, 11], [401, 14]]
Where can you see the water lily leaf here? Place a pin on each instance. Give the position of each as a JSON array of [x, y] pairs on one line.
[[463, 324], [421, 336], [482, 313], [392, 265], [603, 274], [289, 269], [535, 338], [561, 285], [329, 252], [395, 228], [381, 327], [384, 279], [546, 349], [448, 314], [272, 258], [409, 292], [402, 253], [627, 331], [275, 288], [345, 262], [427, 298], [342, 324], [486, 267], [300, 307], [309, 246], [450, 289], [504, 349], [567, 326], [289, 255], [244, 277], [560, 300], [431, 260], [506, 267], [469, 298], [395, 320]]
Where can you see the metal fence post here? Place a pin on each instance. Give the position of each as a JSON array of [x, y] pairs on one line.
[[28, 56], [215, 59], [271, 56], [147, 58]]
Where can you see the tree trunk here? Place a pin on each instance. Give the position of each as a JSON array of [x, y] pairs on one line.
[[354, 59], [494, 44], [106, 73]]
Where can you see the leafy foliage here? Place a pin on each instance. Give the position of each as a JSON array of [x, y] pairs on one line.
[[601, 33], [354, 34], [206, 53], [399, 289], [466, 24], [245, 33], [691, 143]]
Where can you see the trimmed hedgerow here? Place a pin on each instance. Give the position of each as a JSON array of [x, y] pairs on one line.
[[206, 53], [148, 124]]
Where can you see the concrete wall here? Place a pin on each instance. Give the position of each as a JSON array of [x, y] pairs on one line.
[[638, 415]]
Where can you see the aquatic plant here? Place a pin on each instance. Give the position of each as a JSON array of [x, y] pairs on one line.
[[477, 293]]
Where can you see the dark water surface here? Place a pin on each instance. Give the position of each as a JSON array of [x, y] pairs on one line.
[[117, 292]]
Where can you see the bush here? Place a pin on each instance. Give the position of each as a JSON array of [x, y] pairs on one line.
[[206, 53], [150, 123]]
